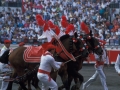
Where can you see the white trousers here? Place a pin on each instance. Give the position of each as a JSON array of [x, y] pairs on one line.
[[46, 84], [4, 68], [99, 72]]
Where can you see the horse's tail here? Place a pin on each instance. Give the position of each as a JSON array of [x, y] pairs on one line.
[[4, 57]]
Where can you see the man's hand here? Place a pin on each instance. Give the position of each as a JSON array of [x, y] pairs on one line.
[[100, 57]]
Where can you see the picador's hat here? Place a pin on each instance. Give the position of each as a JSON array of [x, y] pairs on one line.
[[7, 41]]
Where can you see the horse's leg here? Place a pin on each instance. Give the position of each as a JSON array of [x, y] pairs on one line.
[[21, 82], [35, 82], [14, 75], [76, 80], [76, 77], [70, 78], [29, 85], [81, 78], [64, 77], [20, 88], [27, 80]]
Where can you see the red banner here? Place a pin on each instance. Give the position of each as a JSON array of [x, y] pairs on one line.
[[112, 54], [23, 6]]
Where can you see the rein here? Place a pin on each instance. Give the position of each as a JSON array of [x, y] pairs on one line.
[[72, 60], [69, 55]]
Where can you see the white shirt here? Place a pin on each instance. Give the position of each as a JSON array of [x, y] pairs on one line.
[[101, 36], [37, 29], [104, 57], [74, 4], [92, 25], [48, 62], [4, 48], [117, 64]]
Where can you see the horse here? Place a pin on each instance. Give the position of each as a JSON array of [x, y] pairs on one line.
[[81, 52], [19, 65], [92, 44]]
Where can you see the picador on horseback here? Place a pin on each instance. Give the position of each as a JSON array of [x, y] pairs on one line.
[[46, 65]]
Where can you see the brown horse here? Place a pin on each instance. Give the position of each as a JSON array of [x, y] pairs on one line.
[[19, 65]]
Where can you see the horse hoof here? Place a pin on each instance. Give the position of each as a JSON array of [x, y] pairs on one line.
[[38, 89], [74, 87], [60, 88]]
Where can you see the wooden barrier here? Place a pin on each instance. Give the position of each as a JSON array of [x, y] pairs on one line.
[[112, 54]]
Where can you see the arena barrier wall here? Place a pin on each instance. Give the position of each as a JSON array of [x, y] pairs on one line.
[[112, 54]]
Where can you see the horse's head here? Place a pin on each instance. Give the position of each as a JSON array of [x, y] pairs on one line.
[[67, 42], [93, 44], [81, 46]]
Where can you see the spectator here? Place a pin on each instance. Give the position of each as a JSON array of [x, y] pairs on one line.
[[93, 13]]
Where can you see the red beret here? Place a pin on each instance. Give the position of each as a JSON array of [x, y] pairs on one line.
[[21, 44], [7, 41], [50, 47]]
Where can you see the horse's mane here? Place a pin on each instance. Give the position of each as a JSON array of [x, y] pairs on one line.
[[91, 41], [64, 37]]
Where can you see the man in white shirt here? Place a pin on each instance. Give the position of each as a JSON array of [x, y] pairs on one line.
[[117, 64], [48, 62], [100, 60]]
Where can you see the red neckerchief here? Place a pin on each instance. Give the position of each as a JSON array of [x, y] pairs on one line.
[[48, 53]]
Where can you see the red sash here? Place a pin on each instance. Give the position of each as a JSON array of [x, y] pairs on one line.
[[98, 63], [45, 72]]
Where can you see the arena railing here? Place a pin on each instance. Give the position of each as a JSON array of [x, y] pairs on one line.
[[10, 4]]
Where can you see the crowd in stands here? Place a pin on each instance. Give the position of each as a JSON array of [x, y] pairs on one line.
[[20, 26]]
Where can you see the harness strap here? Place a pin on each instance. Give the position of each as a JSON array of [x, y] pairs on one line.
[[71, 44], [45, 72]]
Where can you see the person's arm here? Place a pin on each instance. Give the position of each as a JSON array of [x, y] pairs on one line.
[[97, 57], [107, 58], [54, 64], [117, 63]]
